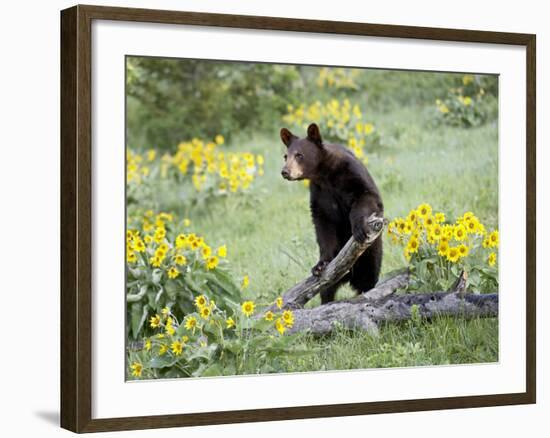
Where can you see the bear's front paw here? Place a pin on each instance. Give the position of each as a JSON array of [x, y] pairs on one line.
[[359, 233], [319, 268]]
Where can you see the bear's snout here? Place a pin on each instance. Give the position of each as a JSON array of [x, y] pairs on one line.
[[285, 173]]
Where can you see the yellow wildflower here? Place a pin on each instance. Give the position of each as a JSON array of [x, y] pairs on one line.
[[200, 301], [413, 245], [155, 261], [471, 224], [460, 232], [493, 239], [443, 249], [154, 321], [160, 253], [369, 128], [248, 307], [222, 251], [137, 369], [177, 348], [229, 322], [206, 251], [288, 318], [436, 232], [463, 250], [160, 234], [131, 257], [429, 221], [424, 210], [205, 312], [169, 329], [269, 315], [453, 254], [139, 246], [173, 272], [190, 323], [492, 259], [180, 259], [181, 241], [280, 326], [212, 262]]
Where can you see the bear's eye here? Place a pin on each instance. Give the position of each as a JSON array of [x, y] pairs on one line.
[[284, 156], [299, 156]]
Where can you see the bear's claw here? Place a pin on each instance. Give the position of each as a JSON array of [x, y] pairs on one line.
[[319, 268]]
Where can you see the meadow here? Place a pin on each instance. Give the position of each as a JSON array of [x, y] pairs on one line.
[[269, 242]]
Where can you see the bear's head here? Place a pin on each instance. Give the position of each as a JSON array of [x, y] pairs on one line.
[[303, 155]]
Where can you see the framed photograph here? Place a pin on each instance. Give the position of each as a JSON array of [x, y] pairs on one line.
[[270, 218]]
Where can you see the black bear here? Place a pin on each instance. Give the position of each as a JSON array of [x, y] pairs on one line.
[[342, 196]]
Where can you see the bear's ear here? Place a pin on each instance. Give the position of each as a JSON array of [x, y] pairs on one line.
[[314, 135], [287, 136]]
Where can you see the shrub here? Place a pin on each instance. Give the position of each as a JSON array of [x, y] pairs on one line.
[[467, 105], [339, 121], [171, 99], [438, 251], [167, 265], [195, 173], [210, 341]]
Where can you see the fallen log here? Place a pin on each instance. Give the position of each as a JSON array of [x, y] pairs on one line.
[[366, 315]]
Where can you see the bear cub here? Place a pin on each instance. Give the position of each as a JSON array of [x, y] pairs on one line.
[[342, 196]]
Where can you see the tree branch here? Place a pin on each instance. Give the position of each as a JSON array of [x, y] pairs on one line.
[[298, 295]]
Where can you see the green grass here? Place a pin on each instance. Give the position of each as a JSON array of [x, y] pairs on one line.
[[270, 237]]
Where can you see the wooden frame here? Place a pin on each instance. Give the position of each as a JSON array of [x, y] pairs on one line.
[[76, 214]]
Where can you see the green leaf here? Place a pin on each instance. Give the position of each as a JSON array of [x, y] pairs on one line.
[[234, 346], [163, 361], [194, 286], [159, 294], [138, 316], [156, 276], [203, 353], [212, 370], [229, 370], [171, 289]]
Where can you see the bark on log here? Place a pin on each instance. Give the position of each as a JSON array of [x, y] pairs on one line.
[[298, 295], [385, 288], [366, 315]]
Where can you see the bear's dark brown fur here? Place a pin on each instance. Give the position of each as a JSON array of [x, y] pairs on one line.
[[342, 196]]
